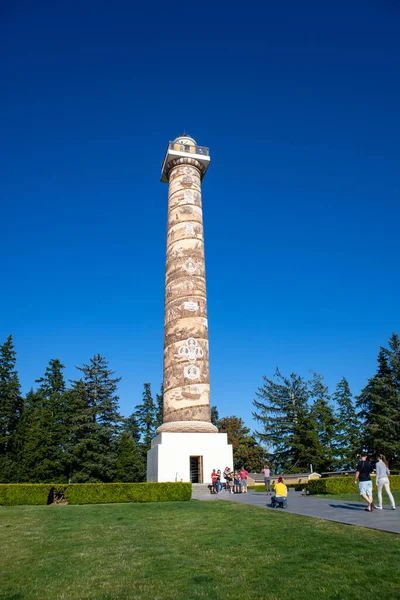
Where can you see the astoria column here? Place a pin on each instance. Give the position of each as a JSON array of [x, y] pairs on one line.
[[186, 363]]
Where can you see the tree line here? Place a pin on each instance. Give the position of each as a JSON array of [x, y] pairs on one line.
[[301, 423], [72, 432]]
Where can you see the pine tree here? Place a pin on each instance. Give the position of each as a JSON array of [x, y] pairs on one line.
[[93, 444], [34, 466], [393, 355], [214, 416], [146, 414], [43, 428], [159, 408], [348, 436], [325, 422], [379, 404], [130, 464], [11, 406], [82, 445], [288, 429], [130, 425]]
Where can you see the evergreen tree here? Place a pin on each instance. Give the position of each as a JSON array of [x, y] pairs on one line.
[[393, 355], [288, 428], [101, 389], [379, 404], [214, 416], [159, 408], [11, 406], [82, 445], [131, 426], [146, 414], [35, 466], [348, 436], [43, 428], [246, 451], [325, 422], [95, 424], [130, 464]]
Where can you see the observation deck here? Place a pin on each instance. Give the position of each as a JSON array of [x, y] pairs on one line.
[[190, 149]]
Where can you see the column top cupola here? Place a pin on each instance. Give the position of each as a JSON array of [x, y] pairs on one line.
[[185, 139], [184, 150]]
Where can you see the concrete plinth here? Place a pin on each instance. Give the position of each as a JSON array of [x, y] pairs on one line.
[[173, 456]]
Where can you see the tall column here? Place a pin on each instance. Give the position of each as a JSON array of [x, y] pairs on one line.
[[186, 362]]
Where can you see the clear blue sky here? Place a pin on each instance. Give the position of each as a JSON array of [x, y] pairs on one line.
[[299, 105]]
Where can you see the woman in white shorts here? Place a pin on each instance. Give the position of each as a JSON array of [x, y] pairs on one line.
[[382, 480]]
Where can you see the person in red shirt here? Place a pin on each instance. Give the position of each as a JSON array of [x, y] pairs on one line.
[[214, 479], [243, 477]]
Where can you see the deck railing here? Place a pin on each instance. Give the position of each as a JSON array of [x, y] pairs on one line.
[[187, 148]]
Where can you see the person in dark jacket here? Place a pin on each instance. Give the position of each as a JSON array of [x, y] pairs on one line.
[[363, 475]]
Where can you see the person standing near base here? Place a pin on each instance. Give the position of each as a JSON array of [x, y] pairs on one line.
[[219, 481], [363, 475], [227, 474], [382, 480], [236, 483], [243, 479], [214, 479], [267, 479]]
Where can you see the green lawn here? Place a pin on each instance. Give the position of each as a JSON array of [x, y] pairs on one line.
[[189, 550], [356, 497]]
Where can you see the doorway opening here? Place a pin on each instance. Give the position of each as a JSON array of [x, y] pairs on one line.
[[196, 469]]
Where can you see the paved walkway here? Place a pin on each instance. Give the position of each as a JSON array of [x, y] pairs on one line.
[[341, 511]]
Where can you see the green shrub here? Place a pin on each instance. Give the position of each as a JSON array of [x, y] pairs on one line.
[[298, 487], [291, 485], [102, 493], [24, 493], [343, 485], [93, 493]]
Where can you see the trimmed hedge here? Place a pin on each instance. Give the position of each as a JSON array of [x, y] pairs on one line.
[[343, 485], [93, 493], [101, 493], [24, 493], [298, 487]]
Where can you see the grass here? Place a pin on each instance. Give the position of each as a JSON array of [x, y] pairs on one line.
[[189, 550], [356, 497]]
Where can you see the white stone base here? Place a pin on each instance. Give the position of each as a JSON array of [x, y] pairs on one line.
[[169, 456]]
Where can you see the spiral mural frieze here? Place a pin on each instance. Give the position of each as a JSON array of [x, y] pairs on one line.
[[186, 354]]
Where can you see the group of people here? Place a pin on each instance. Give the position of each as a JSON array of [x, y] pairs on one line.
[[363, 477], [235, 482]]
